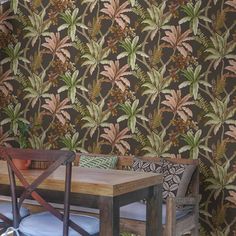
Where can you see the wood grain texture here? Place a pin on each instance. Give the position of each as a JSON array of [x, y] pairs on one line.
[[154, 212], [170, 217], [36, 154], [109, 208], [91, 181]]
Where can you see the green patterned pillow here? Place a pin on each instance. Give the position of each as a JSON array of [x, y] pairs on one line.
[[102, 162]]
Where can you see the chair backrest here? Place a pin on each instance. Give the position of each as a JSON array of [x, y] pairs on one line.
[[56, 158]]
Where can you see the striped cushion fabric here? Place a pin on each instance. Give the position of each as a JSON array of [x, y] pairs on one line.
[[102, 162]]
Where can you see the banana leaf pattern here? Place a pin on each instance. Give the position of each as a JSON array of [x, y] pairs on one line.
[[140, 77]]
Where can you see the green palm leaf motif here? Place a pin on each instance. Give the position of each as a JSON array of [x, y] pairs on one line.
[[222, 114], [14, 56], [131, 51], [14, 117], [5, 137], [158, 147], [72, 143], [132, 113], [96, 117], [97, 55], [22, 134], [132, 2], [158, 84], [91, 3], [71, 85], [124, 77], [221, 49], [72, 22], [193, 80], [14, 5], [38, 27], [39, 142], [222, 179], [226, 231], [193, 13], [157, 19], [37, 88], [194, 144]]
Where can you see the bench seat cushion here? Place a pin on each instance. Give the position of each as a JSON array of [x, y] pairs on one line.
[[6, 210], [137, 211], [45, 224]]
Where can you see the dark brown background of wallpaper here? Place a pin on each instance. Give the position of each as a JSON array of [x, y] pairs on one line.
[[221, 222]]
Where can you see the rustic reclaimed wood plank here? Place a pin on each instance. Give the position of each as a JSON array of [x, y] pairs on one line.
[[109, 208], [154, 212]]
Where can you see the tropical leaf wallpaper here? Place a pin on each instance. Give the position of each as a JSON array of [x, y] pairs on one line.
[[143, 77]]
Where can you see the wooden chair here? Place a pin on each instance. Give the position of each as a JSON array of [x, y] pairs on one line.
[[52, 222], [6, 214], [174, 225]]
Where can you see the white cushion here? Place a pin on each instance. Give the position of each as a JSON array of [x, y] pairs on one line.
[[137, 211], [45, 224], [6, 210]]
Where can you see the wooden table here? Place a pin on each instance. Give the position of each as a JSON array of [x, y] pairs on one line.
[[106, 190]]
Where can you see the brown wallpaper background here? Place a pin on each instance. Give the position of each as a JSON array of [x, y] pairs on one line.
[[139, 77]]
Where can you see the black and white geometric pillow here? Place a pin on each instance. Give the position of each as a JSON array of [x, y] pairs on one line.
[[176, 178], [147, 166]]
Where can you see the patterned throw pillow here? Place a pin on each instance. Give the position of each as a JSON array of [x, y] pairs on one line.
[[176, 178], [147, 166], [102, 162]]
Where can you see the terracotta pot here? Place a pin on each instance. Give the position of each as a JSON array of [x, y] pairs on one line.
[[22, 164]]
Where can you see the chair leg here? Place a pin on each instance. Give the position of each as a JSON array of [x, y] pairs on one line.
[[170, 229]]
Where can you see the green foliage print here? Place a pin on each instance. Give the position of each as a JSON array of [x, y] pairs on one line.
[[140, 77]]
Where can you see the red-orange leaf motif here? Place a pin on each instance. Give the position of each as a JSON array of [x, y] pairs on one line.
[[58, 108], [116, 11], [178, 40], [58, 46], [5, 86], [116, 137], [178, 105], [5, 25], [116, 75]]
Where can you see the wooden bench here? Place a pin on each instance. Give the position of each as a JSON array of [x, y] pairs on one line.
[[172, 227]]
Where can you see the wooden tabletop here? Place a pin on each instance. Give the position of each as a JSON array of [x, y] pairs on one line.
[[91, 181]]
